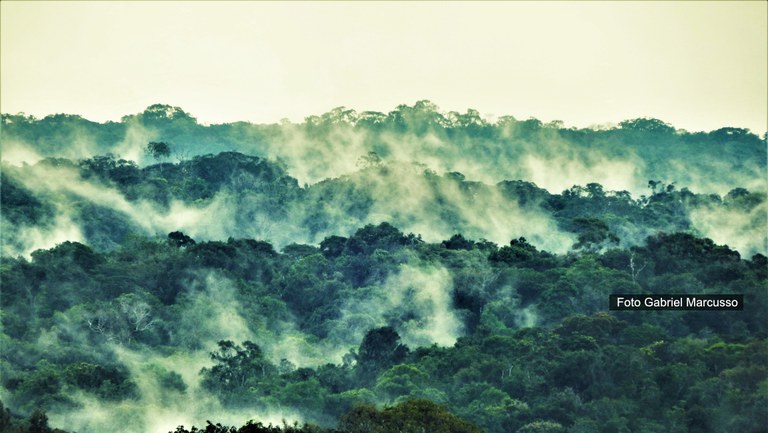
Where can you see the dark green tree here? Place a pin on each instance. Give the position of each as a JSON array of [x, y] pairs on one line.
[[38, 422], [158, 150], [380, 349]]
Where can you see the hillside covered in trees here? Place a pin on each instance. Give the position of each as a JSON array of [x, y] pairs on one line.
[[371, 272]]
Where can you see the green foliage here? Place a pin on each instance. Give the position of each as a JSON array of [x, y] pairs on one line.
[[458, 242], [587, 367], [19, 204], [380, 349], [593, 233], [236, 369], [537, 350], [412, 416], [158, 149], [652, 126], [109, 383], [179, 240], [520, 253]]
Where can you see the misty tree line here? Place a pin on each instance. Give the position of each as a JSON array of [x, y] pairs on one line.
[[328, 145], [421, 118], [339, 171], [247, 196]]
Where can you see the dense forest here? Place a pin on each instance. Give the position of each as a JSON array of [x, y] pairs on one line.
[[378, 272]]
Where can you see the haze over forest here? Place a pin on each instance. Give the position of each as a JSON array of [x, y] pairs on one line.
[[372, 271], [340, 170]]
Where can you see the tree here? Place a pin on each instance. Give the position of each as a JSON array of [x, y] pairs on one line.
[[158, 150], [649, 125], [522, 254], [653, 184], [179, 239], [458, 242], [724, 135], [369, 160], [593, 233], [137, 312], [6, 421], [333, 246], [383, 236], [237, 369], [38, 422], [380, 349], [401, 380]]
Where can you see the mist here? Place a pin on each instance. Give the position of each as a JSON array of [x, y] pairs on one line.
[[138, 268], [742, 230], [330, 145], [416, 301], [158, 409], [210, 311], [64, 187], [342, 142]]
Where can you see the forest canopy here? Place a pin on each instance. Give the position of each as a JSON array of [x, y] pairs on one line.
[[378, 272]]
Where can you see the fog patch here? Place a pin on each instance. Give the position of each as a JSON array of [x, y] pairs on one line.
[[527, 317], [60, 185], [134, 143], [16, 153], [157, 408], [417, 200], [415, 300], [742, 230], [425, 293], [558, 174], [29, 238], [717, 176], [313, 157], [211, 312]]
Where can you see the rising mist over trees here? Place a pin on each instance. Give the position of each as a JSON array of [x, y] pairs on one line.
[[378, 272], [345, 169], [330, 145]]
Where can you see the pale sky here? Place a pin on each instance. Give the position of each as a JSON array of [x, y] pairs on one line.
[[696, 65]]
